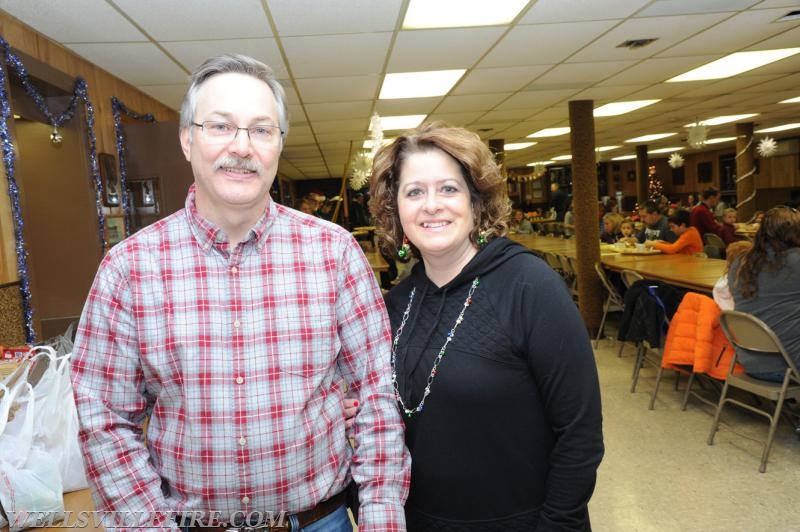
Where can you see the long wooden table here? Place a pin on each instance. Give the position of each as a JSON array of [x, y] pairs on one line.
[[686, 271]]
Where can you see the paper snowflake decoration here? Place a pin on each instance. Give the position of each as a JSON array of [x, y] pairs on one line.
[[767, 147], [360, 171], [697, 135], [676, 160]]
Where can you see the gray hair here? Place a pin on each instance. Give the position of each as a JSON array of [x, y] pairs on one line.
[[236, 64]]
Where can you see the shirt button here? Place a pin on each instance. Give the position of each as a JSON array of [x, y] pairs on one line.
[[245, 499], [239, 380], [236, 324], [234, 269], [242, 441]]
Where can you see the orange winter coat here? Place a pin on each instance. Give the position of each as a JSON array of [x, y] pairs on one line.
[[695, 338]]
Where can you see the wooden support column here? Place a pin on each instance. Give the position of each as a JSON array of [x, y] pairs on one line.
[[745, 172], [642, 173], [584, 206]]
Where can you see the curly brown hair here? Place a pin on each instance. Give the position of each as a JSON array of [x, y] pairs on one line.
[[487, 187], [779, 231]]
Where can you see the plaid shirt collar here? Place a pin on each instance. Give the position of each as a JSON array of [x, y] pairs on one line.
[[209, 236]]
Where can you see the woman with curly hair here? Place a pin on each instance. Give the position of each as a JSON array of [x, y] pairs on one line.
[[492, 365], [765, 282]]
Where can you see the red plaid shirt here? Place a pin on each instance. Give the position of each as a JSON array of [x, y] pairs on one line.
[[241, 360]]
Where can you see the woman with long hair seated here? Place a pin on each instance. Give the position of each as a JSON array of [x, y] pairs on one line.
[[765, 282]]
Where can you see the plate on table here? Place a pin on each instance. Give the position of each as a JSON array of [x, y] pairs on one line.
[[634, 251]]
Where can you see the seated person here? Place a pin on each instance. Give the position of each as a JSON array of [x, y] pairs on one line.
[[765, 282], [728, 230], [689, 240], [520, 223], [627, 233], [610, 232], [656, 226], [722, 292], [569, 222]]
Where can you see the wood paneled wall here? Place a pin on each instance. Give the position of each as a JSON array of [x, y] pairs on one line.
[[101, 85]]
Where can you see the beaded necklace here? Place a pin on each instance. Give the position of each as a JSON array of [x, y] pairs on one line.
[[439, 357]]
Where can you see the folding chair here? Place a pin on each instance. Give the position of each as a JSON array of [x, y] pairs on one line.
[[714, 241], [650, 354], [629, 277], [613, 302], [747, 332]]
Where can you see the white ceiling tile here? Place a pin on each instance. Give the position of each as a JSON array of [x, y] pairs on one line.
[[319, 56], [324, 127], [550, 11], [65, 22], [581, 74], [338, 16], [192, 54], [540, 44], [175, 20], [144, 63], [318, 90], [407, 106], [339, 110], [658, 70], [689, 7], [443, 49], [471, 102], [456, 119], [537, 99], [506, 79]]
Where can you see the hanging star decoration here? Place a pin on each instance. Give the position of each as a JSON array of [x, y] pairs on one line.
[[360, 170], [676, 160], [697, 135], [767, 147]]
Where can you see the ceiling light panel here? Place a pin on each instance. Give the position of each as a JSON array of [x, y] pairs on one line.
[[775, 129], [648, 138], [419, 84], [517, 146], [389, 123], [666, 150], [734, 64], [460, 13], [549, 132], [620, 108], [725, 119]]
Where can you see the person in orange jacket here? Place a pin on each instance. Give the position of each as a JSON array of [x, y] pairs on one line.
[[689, 240]]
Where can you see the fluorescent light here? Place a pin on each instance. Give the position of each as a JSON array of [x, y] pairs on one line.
[[518, 146], [543, 163], [665, 150], [791, 100], [735, 63], [401, 122], [725, 119], [607, 148], [648, 138], [719, 140], [549, 132], [563, 158], [419, 84], [623, 158], [784, 127], [460, 13], [620, 108]]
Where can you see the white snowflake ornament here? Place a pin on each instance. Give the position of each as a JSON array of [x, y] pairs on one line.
[[767, 147], [676, 160]]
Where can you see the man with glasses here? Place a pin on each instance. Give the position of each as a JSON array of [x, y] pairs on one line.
[[235, 326], [656, 226]]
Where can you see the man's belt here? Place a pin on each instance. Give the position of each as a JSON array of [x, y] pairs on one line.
[[304, 519]]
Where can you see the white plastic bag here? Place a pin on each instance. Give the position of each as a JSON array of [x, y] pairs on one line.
[[56, 424], [30, 481]]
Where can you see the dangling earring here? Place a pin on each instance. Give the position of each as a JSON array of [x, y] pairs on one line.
[[481, 239], [404, 250]]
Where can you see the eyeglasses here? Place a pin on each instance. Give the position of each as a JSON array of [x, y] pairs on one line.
[[225, 132]]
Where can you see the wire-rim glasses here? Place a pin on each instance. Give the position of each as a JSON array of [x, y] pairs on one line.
[[225, 132]]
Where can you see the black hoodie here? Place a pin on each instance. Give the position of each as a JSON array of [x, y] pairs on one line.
[[511, 434]]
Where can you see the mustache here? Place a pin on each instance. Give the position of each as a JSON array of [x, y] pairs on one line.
[[228, 161]]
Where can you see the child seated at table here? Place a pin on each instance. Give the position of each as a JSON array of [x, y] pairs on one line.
[[611, 223], [689, 240], [627, 232], [728, 230], [722, 292]]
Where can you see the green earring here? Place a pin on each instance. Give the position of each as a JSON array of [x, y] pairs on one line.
[[481, 240], [405, 250]]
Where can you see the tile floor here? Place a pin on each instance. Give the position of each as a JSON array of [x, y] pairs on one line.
[[659, 475]]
